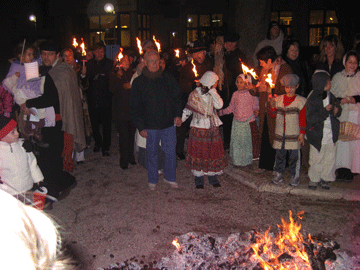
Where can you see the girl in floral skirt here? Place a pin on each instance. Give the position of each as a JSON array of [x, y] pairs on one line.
[[205, 152]]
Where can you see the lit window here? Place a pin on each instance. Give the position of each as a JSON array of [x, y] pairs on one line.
[[322, 23], [316, 17]]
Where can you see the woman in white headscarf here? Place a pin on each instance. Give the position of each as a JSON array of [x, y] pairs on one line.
[[205, 151], [345, 86]]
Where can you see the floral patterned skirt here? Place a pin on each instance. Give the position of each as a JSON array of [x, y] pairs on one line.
[[205, 151]]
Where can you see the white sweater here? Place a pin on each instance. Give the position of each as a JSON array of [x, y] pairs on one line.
[[18, 168]]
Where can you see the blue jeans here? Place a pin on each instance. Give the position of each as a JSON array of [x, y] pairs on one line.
[[167, 137]]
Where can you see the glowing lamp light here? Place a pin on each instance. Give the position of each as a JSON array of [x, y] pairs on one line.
[[32, 18], [109, 8]]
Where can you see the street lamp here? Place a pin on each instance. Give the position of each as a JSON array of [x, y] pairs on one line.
[[109, 8], [32, 18]]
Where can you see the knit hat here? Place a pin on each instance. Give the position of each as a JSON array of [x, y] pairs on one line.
[[209, 79], [290, 80], [6, 126]]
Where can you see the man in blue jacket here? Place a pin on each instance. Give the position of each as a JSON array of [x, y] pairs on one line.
[[155, 109]]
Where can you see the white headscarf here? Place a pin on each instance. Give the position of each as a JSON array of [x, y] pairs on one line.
[[209, 79]]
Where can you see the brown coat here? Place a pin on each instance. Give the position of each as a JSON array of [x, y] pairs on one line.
[[263, 99]]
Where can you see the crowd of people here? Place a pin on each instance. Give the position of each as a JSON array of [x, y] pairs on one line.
[[286, 115]]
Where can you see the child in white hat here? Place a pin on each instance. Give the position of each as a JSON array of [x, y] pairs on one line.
[[205, 152]]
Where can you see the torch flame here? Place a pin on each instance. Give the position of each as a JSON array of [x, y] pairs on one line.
[[139, 45], [82, 46], [75, 44], [120, 55], [157, 43], [194, 68], [177, 53], [175, 242], [269, 80], [246, 70]]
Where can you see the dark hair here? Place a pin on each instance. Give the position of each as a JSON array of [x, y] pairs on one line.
[[286, 46], [271, 25], [351, 53], [19, 48], [99, 45], [266, 53], [66, 50]]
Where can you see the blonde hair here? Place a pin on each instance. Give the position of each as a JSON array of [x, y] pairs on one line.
[[29, 239], [339, 53]]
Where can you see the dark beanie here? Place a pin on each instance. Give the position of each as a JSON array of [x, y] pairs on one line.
[[231, 37], [6, 126]]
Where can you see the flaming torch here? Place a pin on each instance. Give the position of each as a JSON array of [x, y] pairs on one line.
[[75, 44], [139, 46], [119, 57], [177, 53], [194, 68], [157, 43], [271, 84], [246, 70], [83, 51]]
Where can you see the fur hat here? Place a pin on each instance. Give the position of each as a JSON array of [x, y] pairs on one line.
[[197, 46], [49, 45], [209, 79], [6, 126], [290, 80]]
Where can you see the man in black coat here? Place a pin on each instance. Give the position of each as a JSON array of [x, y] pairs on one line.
[[97, 74], [155, 109]]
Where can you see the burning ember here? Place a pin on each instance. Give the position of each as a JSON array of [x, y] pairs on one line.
[[254, 251], [175, 242], [157, 43], [194, 68], [286, 250], [139, 45]]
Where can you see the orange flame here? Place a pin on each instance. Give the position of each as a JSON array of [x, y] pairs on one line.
[[139, 45], [157, 43], [246, 70], [269, 80], [175, 242], [177, 53], [289, 240], [120, 55], [194, 68], [82, 46], [75, 44]]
